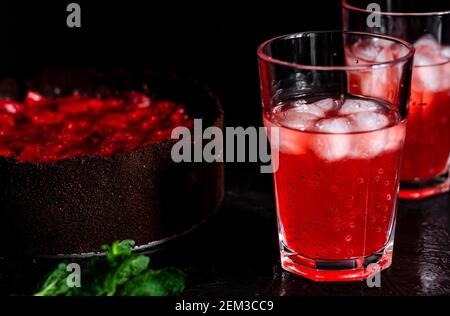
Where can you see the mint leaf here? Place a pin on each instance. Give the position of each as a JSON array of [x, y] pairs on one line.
[[55, 283], [164, 282], [120, 272], [118, 250], [128, 269]]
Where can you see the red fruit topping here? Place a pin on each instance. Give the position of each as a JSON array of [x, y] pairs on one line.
[[6, 152], [76, 126], [115, 120], [47, 117], [165, 108], [139, 100], [150, 124], [45, 129], [179, 115], [6, 120], [35, 99], [139, 114], [109, 148], [70, 138], [10, 107], [30, 153], [74, 106]]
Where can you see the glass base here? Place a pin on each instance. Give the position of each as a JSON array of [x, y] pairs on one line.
[[355, 269], [413, 190]]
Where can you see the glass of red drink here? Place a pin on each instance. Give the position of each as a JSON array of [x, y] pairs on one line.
[[425, 162], [336, 173]]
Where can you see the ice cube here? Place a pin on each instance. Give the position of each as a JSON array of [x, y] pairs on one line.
[[445, 52], [430, 73], [368, 121], [328, 104], [332, 147], [427, 40], [426, 56], [335, 125], [311, 108], [368, 145], [373, 82], [395, 137], [368, 49], [295, 119], [430, 78], [428, 51], [384, 55], [357, 106], [288, 140]]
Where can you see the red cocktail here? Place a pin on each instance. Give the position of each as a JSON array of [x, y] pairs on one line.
[[427, 146], [337, 182], [337, 155], [425, 162]]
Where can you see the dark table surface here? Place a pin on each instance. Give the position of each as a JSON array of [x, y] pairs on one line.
[[236, 251]]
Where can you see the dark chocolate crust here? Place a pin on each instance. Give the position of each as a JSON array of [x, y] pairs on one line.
[[75, 205]]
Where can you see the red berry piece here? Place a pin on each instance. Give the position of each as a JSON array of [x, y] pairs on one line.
[[6, 120], [106, 104], [35, 99], [4, 130], [108, 149], [189, 124], [74, 107], [16, 146], [165, 108], [138, 115], [6, 152], [52, 152], [114, 120], [47, 117], [179, 116], [70, 153], [71, 138], [76, 126], [163, 134], [30, 153], [123, 137], [152, 123], [139, 100], [11, 107]]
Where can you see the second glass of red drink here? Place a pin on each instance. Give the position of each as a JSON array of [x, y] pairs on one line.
[[426, 24]]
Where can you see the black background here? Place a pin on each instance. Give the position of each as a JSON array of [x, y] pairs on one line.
[[213, 41]]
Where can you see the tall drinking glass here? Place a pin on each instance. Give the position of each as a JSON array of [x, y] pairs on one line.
[[337, 172], [425, 163]]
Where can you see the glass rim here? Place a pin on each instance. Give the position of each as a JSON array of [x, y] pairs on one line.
[[374, 65], [348, 6]]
